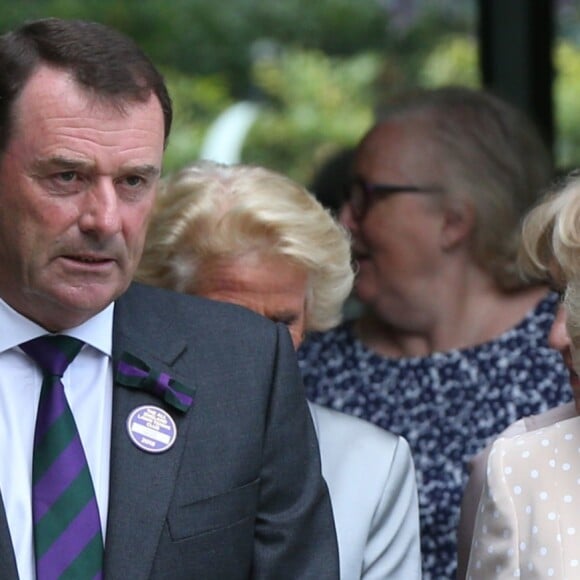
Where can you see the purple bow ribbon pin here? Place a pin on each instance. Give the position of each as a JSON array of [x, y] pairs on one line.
[[132, 372]]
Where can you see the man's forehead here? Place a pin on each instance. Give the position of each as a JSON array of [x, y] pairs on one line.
[[51, 86], [47, 82], [61, 117]]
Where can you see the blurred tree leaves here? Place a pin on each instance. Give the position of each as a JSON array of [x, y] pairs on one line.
[[453, 60], [316, 105], [197, 101], [201, 37], [566, 91], [317, 68]]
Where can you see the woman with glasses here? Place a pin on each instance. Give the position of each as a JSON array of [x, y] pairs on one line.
[[451, 347]]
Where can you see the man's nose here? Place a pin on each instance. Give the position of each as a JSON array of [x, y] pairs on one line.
[[100, 212]]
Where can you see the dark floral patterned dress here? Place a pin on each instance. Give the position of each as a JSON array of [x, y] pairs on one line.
[[448, 406]]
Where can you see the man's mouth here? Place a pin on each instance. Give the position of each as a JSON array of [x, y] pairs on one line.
[[84, 259]]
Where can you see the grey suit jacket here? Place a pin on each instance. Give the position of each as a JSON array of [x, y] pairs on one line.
[[477, 469], [240, 494]]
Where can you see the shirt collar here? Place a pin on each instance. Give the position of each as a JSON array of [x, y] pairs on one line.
[[16, 329]]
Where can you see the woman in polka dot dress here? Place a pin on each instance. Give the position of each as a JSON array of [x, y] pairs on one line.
[[528, 520]]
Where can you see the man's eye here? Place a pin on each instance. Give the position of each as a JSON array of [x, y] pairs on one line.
[[134, 180], [67, 176]]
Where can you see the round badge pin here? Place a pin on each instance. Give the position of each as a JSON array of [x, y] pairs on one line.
[[151, 429]]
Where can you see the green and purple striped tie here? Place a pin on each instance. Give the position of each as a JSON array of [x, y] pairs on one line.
[[67, 531]]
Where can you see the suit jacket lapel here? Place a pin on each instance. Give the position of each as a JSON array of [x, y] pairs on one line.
[[141, 483]]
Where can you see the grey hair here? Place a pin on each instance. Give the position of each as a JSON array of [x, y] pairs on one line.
[[491, 157]]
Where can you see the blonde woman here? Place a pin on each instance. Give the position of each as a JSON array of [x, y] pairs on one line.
[[253, 237], [528, 519]]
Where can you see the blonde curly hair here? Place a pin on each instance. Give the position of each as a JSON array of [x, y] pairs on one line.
[[208, 211], [551, 245]]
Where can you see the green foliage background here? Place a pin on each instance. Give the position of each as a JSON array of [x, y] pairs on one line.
[[317, 70]]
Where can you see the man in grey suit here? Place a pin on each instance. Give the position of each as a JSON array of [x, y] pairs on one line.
[[201, 455]]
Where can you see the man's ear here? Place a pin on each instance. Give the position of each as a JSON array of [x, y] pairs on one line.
[[458, 223]]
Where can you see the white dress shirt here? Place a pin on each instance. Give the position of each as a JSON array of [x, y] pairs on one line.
[[88, 386]]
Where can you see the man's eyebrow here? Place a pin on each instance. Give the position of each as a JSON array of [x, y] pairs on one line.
[[70, 164], [58, 162], [144, 170]]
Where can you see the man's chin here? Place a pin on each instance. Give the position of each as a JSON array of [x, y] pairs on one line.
[[75, 305]]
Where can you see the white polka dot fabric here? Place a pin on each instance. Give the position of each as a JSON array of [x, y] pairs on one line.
[[528, 521]]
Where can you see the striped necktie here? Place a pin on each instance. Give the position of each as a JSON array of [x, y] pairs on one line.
[[68, 543]]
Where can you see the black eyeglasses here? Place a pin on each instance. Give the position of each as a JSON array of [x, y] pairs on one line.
[[363, 194]]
